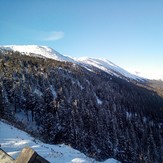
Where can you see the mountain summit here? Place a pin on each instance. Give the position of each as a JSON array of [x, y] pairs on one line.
[[38, 50]]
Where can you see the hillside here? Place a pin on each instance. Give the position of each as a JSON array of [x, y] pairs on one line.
[[97, 113], [156, 85], [13, 140]]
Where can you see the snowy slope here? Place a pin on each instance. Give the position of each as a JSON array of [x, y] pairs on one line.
[[38, 50], [108, 67], [86, 62], [13, 140]]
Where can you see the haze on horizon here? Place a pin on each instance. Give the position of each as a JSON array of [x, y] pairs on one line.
[[128, 33]]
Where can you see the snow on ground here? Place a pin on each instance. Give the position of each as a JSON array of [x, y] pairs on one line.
[[13, 140], [98, 100]]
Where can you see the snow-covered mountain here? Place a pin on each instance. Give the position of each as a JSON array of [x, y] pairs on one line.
[[38, 50], [108, 67], [102, 64], [13, 140], [64, 103]]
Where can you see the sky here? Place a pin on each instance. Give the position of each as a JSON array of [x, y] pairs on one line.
[[126, 32]]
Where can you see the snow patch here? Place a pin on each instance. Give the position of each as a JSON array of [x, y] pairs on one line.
[[77, 160], [38, 92], [79, 84], [128, 114], [54, 93], [99, 101]]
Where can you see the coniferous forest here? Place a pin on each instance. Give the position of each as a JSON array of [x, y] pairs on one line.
[[99, 114]]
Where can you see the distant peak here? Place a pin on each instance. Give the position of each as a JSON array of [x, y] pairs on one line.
[[108, 67], [28, 48], [38, 50]]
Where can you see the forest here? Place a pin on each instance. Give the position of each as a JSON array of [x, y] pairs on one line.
[[99, 114]]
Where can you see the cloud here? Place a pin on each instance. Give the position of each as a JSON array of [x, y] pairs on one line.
[[53, 36]]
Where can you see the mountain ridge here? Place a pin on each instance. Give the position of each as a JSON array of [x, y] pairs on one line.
[[44, 51], [87, 62], [109, 67]]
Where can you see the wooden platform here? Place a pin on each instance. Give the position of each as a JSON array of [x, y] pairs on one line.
[[27, 155]]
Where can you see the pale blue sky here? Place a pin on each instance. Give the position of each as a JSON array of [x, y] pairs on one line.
[[127, 32]]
